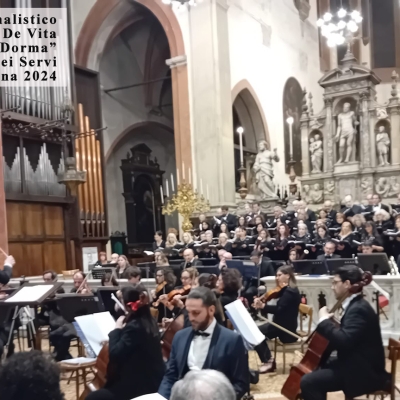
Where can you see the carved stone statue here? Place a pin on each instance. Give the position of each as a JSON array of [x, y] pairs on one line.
[[316, 194], [346, 134], [317, 153], [382, 187], [382, 146], [394, 187], [305, 194], [264, 170], [329, 187]]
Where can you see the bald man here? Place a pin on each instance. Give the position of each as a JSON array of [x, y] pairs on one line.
[[328, 207]]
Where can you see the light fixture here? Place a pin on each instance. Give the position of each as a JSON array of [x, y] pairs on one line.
[[290, 120], [181, 3], [340, 28], [240, 130]]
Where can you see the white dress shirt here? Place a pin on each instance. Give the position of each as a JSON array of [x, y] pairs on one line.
[[345, 304], [199, 348]]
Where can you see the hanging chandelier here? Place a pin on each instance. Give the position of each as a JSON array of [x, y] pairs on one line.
[[181, 3], [341, 27]]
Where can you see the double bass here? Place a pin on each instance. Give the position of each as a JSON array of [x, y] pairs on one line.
[[317, 348]]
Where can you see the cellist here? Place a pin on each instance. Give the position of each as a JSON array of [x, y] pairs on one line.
[[359, 368], [285, 315]]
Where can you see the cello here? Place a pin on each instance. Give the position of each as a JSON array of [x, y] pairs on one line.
[[317, 347]]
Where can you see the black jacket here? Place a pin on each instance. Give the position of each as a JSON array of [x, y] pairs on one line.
[[360, 353], [194, 263], [266, 267], [286, 312], [323, 258], [5, 275], [230, 220], [136, 361]]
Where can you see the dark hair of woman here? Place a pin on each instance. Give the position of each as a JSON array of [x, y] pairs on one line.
[[324, 228], [244, 221], [267, 235], [169, 275], [159, 233], [373, 226], [260, 218], [108, 277], [136, 300], [232, 280], [204, 227], [287, 231], [206, 281], [288, 270]]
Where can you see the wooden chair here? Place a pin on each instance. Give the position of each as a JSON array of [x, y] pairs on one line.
[[304, 311]]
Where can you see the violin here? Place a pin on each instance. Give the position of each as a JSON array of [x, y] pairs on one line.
[[271, 294], [159, 287], [317, 346], [183, 292]]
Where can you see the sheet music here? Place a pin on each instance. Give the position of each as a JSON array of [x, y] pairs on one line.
[[29, 294], [152, 396]]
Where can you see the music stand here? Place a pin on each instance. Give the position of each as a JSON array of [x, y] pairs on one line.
[[98, 273], [106, 303], [23, 298], [208, 262], [374, 263], [247, 268], [147, 269], [73, 305], [335, 263], [310, 267]]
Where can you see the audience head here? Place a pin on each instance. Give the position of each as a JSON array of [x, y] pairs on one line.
[[50, 276], [203, 385], [188, 276], [285, 276], [200, 306], [329, 248], [103, 257], [30, 375], [108, 280], [133, 274], [114, 258], [344, 278], [79, 277], [188, 255]]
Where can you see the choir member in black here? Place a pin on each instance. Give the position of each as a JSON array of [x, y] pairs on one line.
[[187, 241], [336, 226], [347, 248], [331, 213], [382, 221], [257, 233], [302, 216], [293, 256], [328, 251], [285, 314], [108, 280], [241, 222], [358, 224], [161, 259], [190, 259], [165, 282], [278, 214], [172, 245], [223, 243], [264, 242], [158, 241], [359, 367], [257, 211], [281, 244], [122, 265], [230, 219], [377, 203], [259, 220], [205, 251], [224, 229], [350, 209], [321, 237], [202, 219], [371, 234], [394, 241], [136, 365], [229, 284], [302, 234], [102, 259], [310, 213], [241, 244], [323, 216]]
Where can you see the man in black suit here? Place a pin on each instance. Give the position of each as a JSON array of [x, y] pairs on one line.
[[350, 209], [190, 260], [5, 274], [230, 219], [206, 345], [329, 251], [310, 213], [331, 213], [360, 364], [377, 203]]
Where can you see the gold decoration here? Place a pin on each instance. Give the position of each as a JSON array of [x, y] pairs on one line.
[[186, 202]]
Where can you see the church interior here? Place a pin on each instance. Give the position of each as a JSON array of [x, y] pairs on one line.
[[236, 145]]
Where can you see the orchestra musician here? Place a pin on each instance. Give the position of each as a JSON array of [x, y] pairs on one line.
[[114, 258], [229, 284], [165, 280], [123, 264], [329, 251], [223, 257], [359, 367], [102, 259], [6, 273], [136, 365], [285, 314], [108, 280], [206, 345]]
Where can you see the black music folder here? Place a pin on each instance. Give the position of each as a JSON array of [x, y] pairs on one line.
[[310, 267], [376, 263]]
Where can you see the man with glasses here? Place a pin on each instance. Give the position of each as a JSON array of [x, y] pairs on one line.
[[329, 251], [359, 367]]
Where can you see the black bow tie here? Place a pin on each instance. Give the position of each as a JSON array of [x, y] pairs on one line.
[[328, 256], [199, 333]]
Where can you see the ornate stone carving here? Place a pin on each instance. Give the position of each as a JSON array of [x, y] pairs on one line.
[[394, 189], [316, 153], [264, 170], [329, 187], [382, 187], [303, 7], [316, 194], [346, 134], [305, 193], [381, 113], [382, 146], [315, 124], [366, 185]]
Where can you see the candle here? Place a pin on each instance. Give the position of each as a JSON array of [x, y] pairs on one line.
[[201, 186], [166, 187], [172, 183], [183, 172], [162, 194], [290, 122], [190, 177], [240, 131], [208, 193], [194, 182], [177, 176]]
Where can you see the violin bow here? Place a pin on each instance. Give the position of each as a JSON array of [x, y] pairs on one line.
[[280, 327]]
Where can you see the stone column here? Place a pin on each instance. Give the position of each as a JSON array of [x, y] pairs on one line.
[[328, 138], [210, 81], [3, 214], [365, 150]]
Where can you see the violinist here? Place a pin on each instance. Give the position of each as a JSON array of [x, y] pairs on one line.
[[136, 366], [122, 265], [359, 367], [165, 280], [80, 284], [108, 280], [285, 314]]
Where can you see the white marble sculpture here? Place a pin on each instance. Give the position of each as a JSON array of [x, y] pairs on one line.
[[346, 134], [317, 153], [316, 194], [264, 170], [382, 146]]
